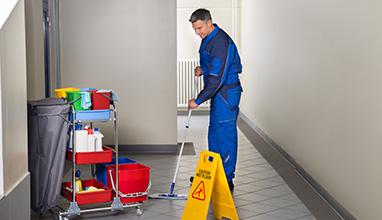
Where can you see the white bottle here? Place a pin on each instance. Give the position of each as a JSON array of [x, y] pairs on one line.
[[81, 140], [91, 140], [98, 139]]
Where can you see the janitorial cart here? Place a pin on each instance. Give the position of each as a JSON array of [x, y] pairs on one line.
[[119, 186]]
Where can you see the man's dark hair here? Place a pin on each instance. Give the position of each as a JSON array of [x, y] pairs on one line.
[[200, 14]]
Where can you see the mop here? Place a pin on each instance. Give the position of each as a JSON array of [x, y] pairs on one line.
[[171, 195]]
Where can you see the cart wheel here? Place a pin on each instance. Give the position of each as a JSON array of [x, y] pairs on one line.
[[139, 211]]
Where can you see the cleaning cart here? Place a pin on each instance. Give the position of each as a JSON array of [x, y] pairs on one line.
[[127, 184]]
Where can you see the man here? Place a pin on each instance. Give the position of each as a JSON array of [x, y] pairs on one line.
[[220, 65]]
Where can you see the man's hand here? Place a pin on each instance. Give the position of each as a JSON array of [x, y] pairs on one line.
[[198, 71], [192, 104]]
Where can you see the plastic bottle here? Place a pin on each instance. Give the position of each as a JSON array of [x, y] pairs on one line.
[[78, 127], [78, 183], [81, 140], [98, 139], [91, 141]]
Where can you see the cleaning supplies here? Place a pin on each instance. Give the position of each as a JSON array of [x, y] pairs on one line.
[[77, 127], [88, 139], [91, 141], [78, 183], [86, 101], [81, 140], [98, 139], [92, 189]]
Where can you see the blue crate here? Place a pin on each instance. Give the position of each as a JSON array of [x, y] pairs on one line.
[[93, 115], [101, 168]]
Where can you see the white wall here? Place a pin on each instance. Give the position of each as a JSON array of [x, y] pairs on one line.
[[13, 98], [221, 12], [312, 81], [128, 46], [6, 7]]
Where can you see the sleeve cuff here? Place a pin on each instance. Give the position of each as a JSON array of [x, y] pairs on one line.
[[198, 101]]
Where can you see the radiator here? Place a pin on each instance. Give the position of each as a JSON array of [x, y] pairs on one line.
[[185, 83]]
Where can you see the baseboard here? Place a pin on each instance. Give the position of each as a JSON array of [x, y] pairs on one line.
[[149, 149], [328, 207], [16, 204]]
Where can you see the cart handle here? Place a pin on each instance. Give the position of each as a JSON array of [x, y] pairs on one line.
[[106, 96], [73, 101], [111, 100], [107, 147]]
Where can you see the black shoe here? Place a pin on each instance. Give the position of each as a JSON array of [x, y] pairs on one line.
[[191, 179], [230, 184]]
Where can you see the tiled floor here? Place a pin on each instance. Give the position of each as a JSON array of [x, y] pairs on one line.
[[260, 193]]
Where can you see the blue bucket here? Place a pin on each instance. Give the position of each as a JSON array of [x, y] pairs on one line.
[[101, 172]]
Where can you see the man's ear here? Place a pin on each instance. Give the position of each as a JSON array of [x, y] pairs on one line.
[[209, 23]]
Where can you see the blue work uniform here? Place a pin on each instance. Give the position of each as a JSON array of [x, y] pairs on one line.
[[220, 63]]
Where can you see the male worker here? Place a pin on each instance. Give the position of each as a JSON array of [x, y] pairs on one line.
[[220, 65]]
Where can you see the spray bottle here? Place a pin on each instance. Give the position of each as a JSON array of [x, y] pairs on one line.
[[91, 140]]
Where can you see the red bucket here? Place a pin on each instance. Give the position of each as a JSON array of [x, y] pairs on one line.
[[132, 178], [101, 100]]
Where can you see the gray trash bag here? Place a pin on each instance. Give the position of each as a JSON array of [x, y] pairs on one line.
[[48, 126]]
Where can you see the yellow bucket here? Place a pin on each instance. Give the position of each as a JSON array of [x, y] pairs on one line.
[[61, 93]]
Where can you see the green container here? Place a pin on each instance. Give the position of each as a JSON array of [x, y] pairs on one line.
[[74, 95]]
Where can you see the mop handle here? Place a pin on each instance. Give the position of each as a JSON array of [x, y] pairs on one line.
[[187, 126]]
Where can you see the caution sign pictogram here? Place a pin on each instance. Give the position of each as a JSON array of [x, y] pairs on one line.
[[199, 192], [210, 184]]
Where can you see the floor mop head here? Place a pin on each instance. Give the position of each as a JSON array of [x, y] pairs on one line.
[[170, 196]]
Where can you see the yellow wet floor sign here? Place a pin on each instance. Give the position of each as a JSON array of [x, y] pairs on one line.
[[209, 183]]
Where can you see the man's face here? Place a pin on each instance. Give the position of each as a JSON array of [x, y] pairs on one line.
[[202, 28]]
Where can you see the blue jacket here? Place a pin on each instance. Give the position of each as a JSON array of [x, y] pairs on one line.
[[219, 61]]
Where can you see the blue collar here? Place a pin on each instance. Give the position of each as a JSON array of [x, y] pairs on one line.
[[210, 36]]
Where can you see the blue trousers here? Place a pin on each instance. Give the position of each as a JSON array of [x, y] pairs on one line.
[[222, 130]]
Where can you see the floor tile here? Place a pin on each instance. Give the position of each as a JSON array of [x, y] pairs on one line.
[[259, 207], [308, 217], [277, 202], [286, 213], [265, 217]]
